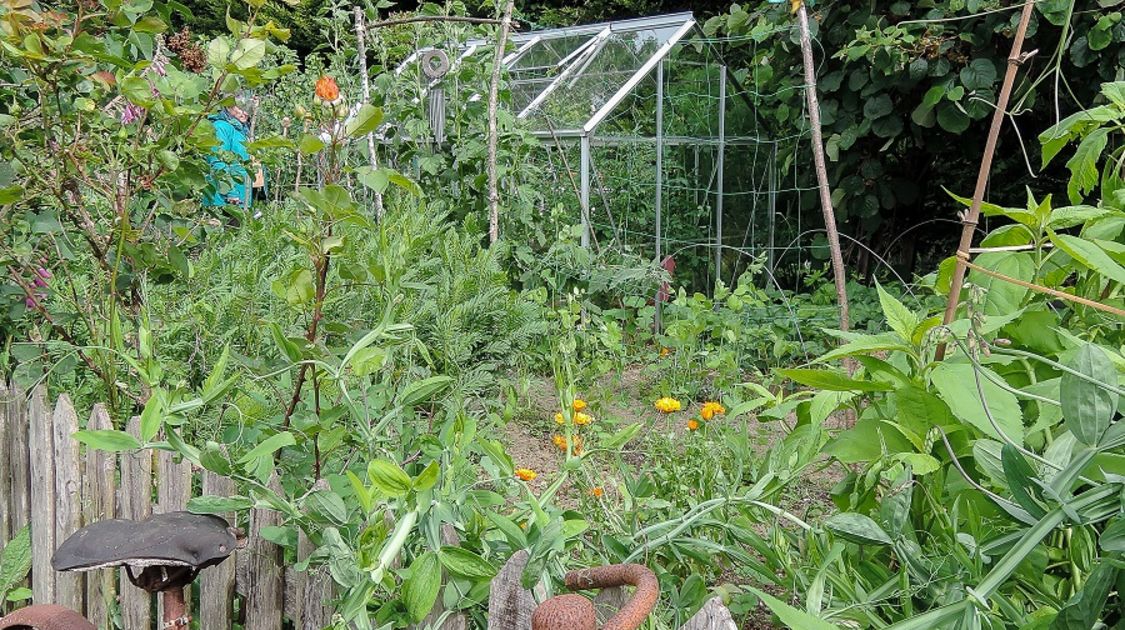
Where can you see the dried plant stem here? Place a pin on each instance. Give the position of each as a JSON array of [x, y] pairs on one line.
[[493, 131]]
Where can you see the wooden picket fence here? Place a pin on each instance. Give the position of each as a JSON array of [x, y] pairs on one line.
[[51, 482]]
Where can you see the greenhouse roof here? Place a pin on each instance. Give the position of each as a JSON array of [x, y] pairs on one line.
[[568, 80]]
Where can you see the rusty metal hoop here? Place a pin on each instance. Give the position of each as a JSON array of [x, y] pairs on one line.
[[574, 612], [46, 617]]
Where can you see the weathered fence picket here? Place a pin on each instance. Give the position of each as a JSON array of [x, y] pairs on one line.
[[41, 449], [50, 482], [70, 587], [135, 502], [100, 501]]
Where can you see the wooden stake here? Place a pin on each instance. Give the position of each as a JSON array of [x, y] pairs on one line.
[[361, 51], [838, 274], [493, 132], [1015, 59]]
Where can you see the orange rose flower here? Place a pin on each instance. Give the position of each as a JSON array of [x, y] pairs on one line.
[[326, 89]]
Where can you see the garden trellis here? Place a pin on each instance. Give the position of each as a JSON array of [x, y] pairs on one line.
[[638, 122]]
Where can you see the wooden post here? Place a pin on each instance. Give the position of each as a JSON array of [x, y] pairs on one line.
[[713, 616], [42, 452], [319, 590], [216, 584], [6, 489], [1015, 58], [838, 275], [70, 586], [493, 128], [510, 604], [264, 602], [135, 502], [99, 484], [20, 462]]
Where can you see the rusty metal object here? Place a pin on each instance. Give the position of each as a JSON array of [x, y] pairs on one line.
[[175, 609], [46, 617], [574, 612]]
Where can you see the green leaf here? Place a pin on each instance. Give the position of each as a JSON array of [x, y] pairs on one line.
[[790, 616], [268, 447], [108, 440], [956, 384], [152, 417], [901, 319], [289, 349], [388, 477], [464, 563], [366, 120], [857, 528], [622, 437], [1087, 407], [423, 390], [951, 118], [212, 458], [877, 107], [1019, 475], [980, 74], [137, 90], [517, 539], [1085, 607], [427, 478], [420, 590], [831, 380], [248, 53], [310, 144], [920, 463], [1089, 255], [866, 344], [15, 560], [1112, 539], [219, 505], [1083, 165]]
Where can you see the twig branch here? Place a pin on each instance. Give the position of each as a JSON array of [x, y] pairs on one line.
[[434, 18], [493, 131]]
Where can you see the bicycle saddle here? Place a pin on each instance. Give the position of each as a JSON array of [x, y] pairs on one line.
[[45, 617], [170, 548]]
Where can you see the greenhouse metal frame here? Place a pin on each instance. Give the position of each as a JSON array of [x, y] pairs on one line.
[[566, 83]]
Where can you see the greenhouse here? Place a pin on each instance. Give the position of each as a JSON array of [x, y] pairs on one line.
[[637, 121]]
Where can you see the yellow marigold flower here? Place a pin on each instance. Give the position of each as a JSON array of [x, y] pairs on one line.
[[668, 404], [597, 491], [526, 474], [582, 419], [560, 442], [559, 419], [327, 89], [665, 352], [693, 425], [712, 409], [578, 404]]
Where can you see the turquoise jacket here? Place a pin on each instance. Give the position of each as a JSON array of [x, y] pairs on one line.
[[228, 179]]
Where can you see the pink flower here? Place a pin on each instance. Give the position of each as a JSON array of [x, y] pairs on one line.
[[43, 273], [158, 66], [131, 113], [40, 282]]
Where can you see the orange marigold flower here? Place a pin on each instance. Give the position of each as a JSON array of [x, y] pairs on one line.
[[526, 474], [597, 491], [693, 425], [578, 404], [560, 442], [712, 409], [582, 419], [327, 89]]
